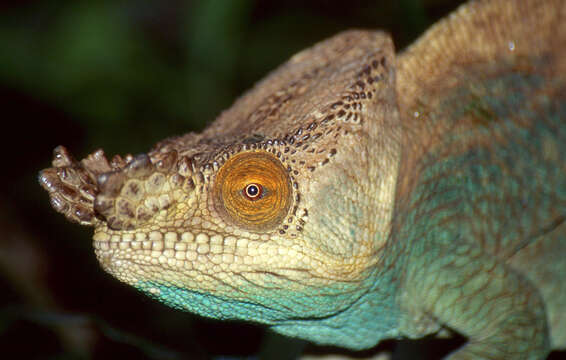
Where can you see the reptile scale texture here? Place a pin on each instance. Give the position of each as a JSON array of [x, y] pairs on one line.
[[355, 195]]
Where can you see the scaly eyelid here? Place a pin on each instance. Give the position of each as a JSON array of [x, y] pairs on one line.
[[242, 169]]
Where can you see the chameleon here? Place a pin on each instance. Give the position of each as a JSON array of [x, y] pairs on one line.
[[355, 195]]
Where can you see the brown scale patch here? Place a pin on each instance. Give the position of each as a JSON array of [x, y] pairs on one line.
[[337, 120], [128, 197], [72, 185], [272, 105]]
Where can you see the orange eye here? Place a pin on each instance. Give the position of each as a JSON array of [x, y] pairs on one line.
[[252, 190]]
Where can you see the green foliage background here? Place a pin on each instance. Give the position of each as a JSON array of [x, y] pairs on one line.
[[122, 75]]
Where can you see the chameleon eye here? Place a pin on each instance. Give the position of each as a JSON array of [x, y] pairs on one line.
[[252, 190]]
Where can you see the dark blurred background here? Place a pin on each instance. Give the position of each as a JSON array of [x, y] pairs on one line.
[[122, 75]]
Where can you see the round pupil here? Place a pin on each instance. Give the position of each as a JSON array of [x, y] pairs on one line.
[[252, 190]]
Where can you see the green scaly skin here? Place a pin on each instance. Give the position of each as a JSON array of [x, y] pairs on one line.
[[421, 193]]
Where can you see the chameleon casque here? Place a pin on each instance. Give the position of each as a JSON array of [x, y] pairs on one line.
[[354, 195]]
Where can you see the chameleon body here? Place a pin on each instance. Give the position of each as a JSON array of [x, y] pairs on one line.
[[354, 196]]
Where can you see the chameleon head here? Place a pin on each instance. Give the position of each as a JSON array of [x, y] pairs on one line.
[[279, 220]]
